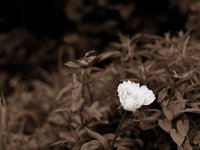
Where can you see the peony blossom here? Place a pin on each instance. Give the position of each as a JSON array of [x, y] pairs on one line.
[[132, 96], [149, 96]]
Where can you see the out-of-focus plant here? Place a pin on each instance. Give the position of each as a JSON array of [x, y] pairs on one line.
[[85, 113], [81, 87], [191, 8], [80, 116], [4, 127], [168, 65]]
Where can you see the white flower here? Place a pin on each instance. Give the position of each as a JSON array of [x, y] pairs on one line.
[[132, 96], [149, 96]]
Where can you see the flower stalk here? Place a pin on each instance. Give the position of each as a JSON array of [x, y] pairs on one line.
[[118, 129], [132, 96]]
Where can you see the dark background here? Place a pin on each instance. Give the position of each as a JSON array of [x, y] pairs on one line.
[[33, 33], [56, 17]]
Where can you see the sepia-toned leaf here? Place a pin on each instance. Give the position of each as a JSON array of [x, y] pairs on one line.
[[96, 111], [77, 99], [177, 107], [109, 54], [91, 145], [72, 64], [90, 59], [187, 145], [98, 137], [109, 136], [178, 134], [168, 113], [177, 138], [68, 137], [88, 54], [4, 126], [196, 139], [60, 142], [182, 127], [77, 104], [165, 124], [126, 142]]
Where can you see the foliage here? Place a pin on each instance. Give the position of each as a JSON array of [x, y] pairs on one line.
[[59, 95], [80, 110]]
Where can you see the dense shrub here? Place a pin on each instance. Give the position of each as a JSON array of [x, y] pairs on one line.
[[61, 94], [85, 114]]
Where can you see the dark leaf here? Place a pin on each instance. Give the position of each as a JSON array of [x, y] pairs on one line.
[[68, 137], [4, 126], [92, 145], [98, 137], [177, 107], [90, 59], [77, 99], [186, 75], [196, 139], [126, 143], [109, 54], [96, 111]]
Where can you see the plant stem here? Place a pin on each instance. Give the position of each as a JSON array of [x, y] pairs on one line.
[[118, 129]]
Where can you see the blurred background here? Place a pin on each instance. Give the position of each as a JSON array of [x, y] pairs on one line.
[[40, 34]]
